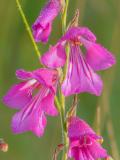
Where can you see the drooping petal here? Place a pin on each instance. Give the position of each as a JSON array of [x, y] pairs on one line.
[[55, 57], [19, 95], [48, 105], [96, 150], [80, 76], [42, 26], [97, 56], [78, 128], [30, 118], [75, 33]]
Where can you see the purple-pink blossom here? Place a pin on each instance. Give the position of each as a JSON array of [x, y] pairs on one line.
[[81, 76], [84, 143], [34, 97], [43, 25]]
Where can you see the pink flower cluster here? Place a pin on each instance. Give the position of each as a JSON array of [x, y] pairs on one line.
[[84, 143], [35, 95]]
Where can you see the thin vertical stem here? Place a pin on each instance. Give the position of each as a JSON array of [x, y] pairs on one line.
[[64, 16], [28, 28], [62, 98], [63, 124]]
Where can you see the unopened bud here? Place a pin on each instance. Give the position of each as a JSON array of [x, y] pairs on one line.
[[57, 151], [62, 2], [3, 146], [74, 21], [72, 111]]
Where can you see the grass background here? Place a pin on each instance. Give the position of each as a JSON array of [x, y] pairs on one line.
[[16, 51]]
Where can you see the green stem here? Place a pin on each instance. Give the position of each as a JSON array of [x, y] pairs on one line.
[[62, 98], [28, 28], [64, 16], [66, 65], [64, 127]]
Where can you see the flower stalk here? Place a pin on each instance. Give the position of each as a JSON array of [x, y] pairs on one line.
[[62, 97], [28, 28], [64, 15]]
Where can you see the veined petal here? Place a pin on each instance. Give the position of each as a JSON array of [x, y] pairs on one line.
[[97, 56], [43, 76], [55, 57], [23, 75], [30, 118], [88, 154], [43, 24], [96, 150], [80, 76], [46, 77], [48, 105], [19, 95], [78, 128]]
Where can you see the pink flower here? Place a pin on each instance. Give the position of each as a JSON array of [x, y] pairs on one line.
[[43, 24], [35, 98], [81, 76], [84, 143]]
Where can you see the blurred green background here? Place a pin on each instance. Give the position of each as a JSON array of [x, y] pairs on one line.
[[16, 51]]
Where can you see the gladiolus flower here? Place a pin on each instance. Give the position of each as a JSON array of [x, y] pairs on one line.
[[43, 24], [35, 98], [84, 143], [81, 76]]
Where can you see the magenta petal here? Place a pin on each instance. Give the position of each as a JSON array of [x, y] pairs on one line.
[[46, 77], [75, 33], [97, 151], [80, 76], [43, 76], [55, 57], [30, 118], [78, 128], [83, 141], [43, 24], [19, 95], [49, 106], [75, 153], [23, 75], [45, 34], [42, 34], [97, 56]]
